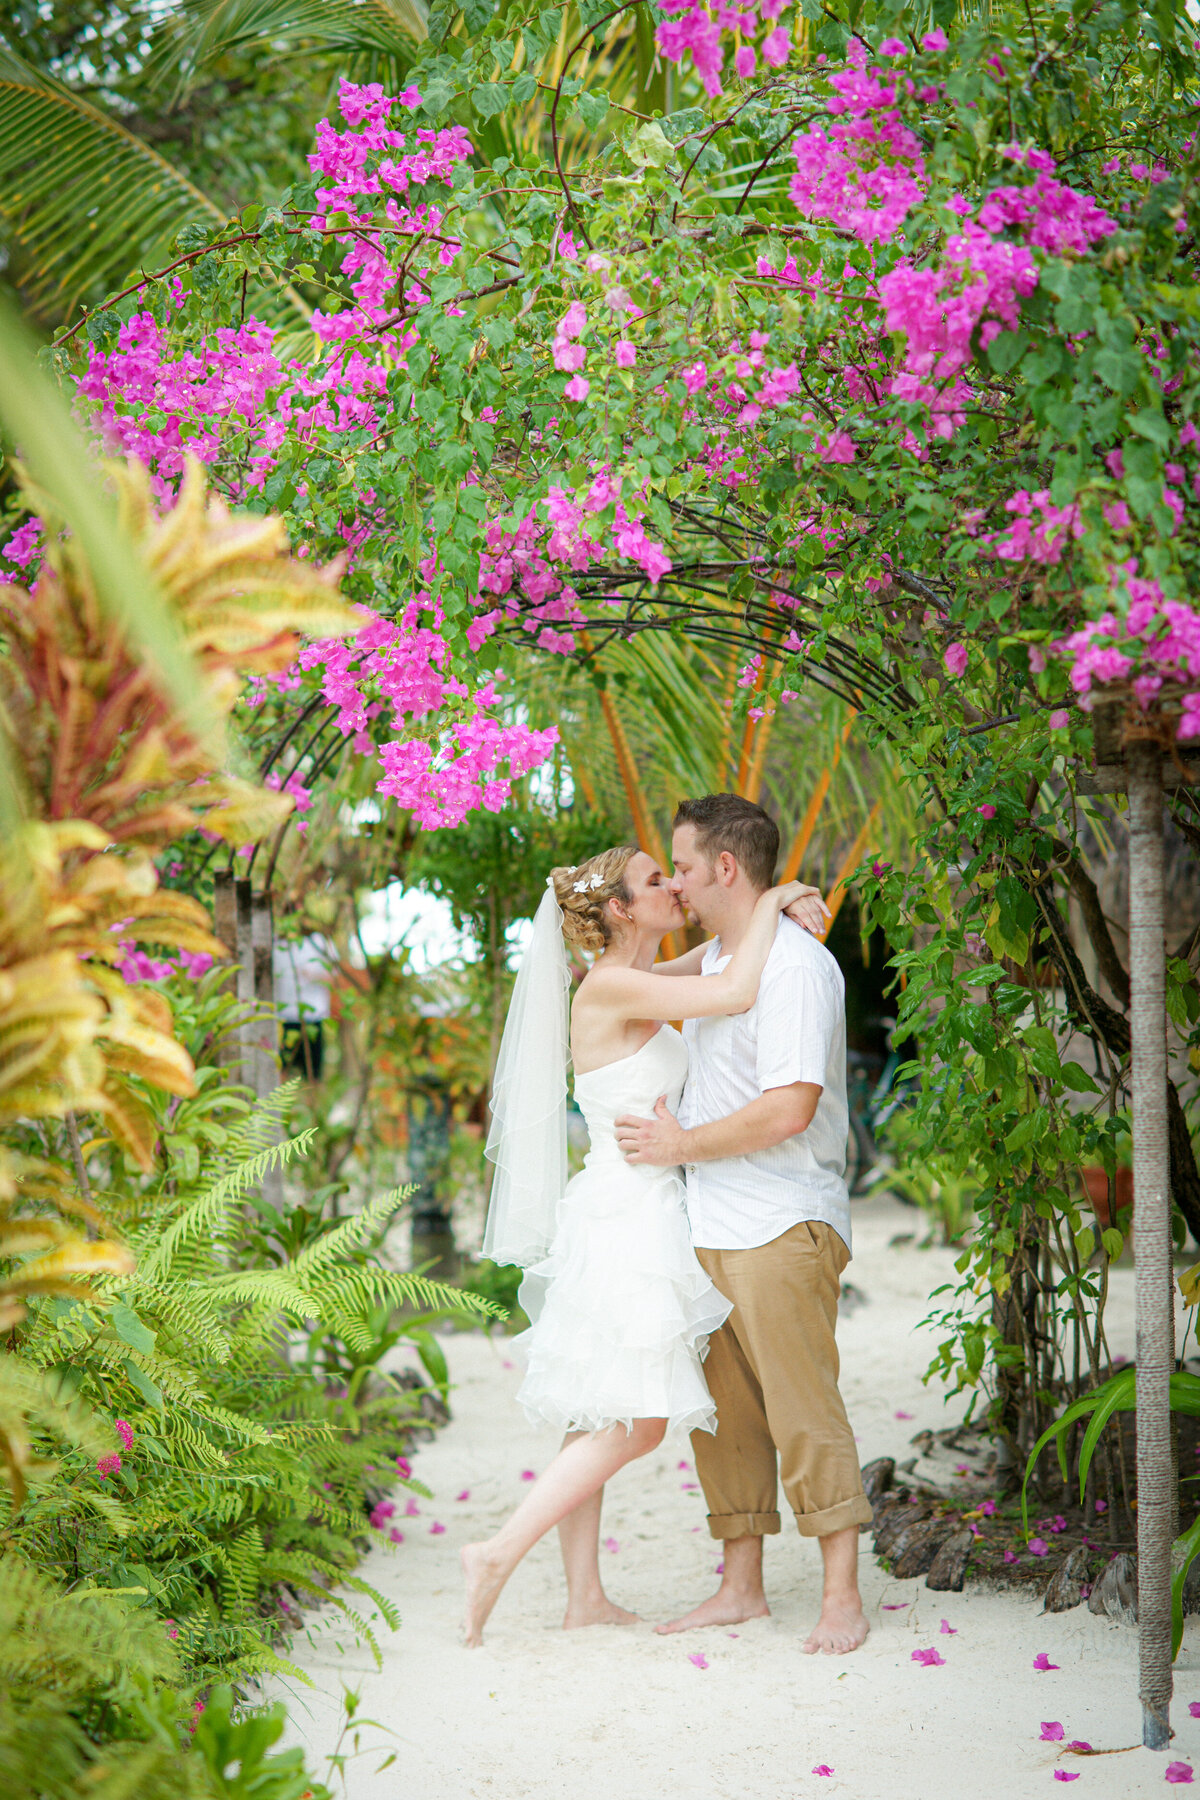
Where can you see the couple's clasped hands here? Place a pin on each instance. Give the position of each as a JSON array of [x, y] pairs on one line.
[[661, 1142]]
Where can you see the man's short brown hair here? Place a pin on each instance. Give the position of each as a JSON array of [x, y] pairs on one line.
[[727, 822]]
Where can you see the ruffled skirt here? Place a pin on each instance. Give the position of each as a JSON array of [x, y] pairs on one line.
[[621, 1309]]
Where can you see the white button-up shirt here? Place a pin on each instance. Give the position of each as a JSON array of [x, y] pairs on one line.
[[795, 1031]]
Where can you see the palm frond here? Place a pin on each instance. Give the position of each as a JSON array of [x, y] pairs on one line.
[[86, 201], [375, 39]]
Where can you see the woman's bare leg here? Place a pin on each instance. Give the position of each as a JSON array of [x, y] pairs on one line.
[[578, 1472], [579, 1540]]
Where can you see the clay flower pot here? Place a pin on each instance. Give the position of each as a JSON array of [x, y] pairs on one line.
[[1095, 1182]]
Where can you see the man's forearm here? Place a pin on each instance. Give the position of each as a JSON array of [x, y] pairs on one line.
[[765, 1122]]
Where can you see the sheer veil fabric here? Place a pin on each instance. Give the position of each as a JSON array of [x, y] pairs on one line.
[[527, 1140]]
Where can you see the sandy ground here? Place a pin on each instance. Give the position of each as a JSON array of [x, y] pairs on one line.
[[620, 1714]]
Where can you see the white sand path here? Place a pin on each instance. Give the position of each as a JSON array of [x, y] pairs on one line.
[[620, 1714]]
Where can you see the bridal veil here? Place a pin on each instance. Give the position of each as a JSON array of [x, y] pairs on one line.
[[528, 1136]]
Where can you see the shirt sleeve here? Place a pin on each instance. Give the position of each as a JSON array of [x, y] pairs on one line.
[[797, 1015]]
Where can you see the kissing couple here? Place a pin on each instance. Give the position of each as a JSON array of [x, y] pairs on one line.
[[705, 1235]]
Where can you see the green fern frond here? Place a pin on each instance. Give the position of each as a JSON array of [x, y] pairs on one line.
[[208, 1215]]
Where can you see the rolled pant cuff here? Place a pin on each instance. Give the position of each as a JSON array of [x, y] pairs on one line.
[[739, 1525], [857, 1511]]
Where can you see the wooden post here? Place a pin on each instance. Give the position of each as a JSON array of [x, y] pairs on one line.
[[1152, 1238]]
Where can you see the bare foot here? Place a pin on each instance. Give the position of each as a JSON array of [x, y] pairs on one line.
[[726, 1607], [485, 1576], [598, 1611], [842, 1626]]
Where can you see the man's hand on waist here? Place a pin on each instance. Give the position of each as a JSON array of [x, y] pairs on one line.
[[658, 1142], [776, 1115]]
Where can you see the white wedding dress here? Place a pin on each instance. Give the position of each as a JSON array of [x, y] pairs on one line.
[[621, 1309]]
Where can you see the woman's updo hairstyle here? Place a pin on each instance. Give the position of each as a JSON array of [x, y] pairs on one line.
[[584, 893]]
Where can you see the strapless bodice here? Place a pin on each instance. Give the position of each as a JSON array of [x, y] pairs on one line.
[[631, 1085]]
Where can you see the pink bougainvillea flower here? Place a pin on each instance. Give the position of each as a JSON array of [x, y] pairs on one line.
[[947, 1629], [698, 1659], [1179, 1772], [896, 1605], [1052, 1732], [906, 1415], [955, 659], [987, 811], [1038, 1547], [928, 1658], [988, 1508], [395, 1536], [436, 1529], [465, 1495], [1066, 1774], [683, 1465], [895, 47], [1102, 1506], [720, 1568], [528, 1475], [1079, 1744], [612, 1546], [403, 1468], [1010, 1556], [935, 39], [822, 1769], [1194, 1709], [412, 1510], [1042, 1661]]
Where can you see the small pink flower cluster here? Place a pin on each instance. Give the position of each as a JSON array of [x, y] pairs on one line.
[[1151, 648], [697, 30]]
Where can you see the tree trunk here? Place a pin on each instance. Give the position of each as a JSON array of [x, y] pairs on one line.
[[1152, 1238]]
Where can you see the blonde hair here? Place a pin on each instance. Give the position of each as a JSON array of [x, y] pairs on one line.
[[584, 892]]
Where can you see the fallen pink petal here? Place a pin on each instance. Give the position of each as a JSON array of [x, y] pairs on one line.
[[896, 1605], [1194, 1708], [611, 1545], [1079, 1744], [1066, 1774], [1037, 1547], [928, 1658], [947, 1629], [1052, 1732], [1010, 1556], [822, 1769], [528, 1475], [905, 1415], [1042, 1661], [699, 1659], [1179, 1772], [436, 1529], [412, 1510], [465, 1495], [720, 1569], [683, 1464]]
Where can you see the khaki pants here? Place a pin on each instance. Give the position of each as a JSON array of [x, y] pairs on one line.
[[772, 1369]]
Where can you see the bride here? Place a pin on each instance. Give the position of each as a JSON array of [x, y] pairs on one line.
[[621, 1310]]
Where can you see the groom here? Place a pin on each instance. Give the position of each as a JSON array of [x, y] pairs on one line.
[[762, 1140]]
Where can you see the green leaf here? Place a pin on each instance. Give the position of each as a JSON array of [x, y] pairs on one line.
[[592, 109], [145, 1387], [129, 1328], [490, 99], [1076, 1078]]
